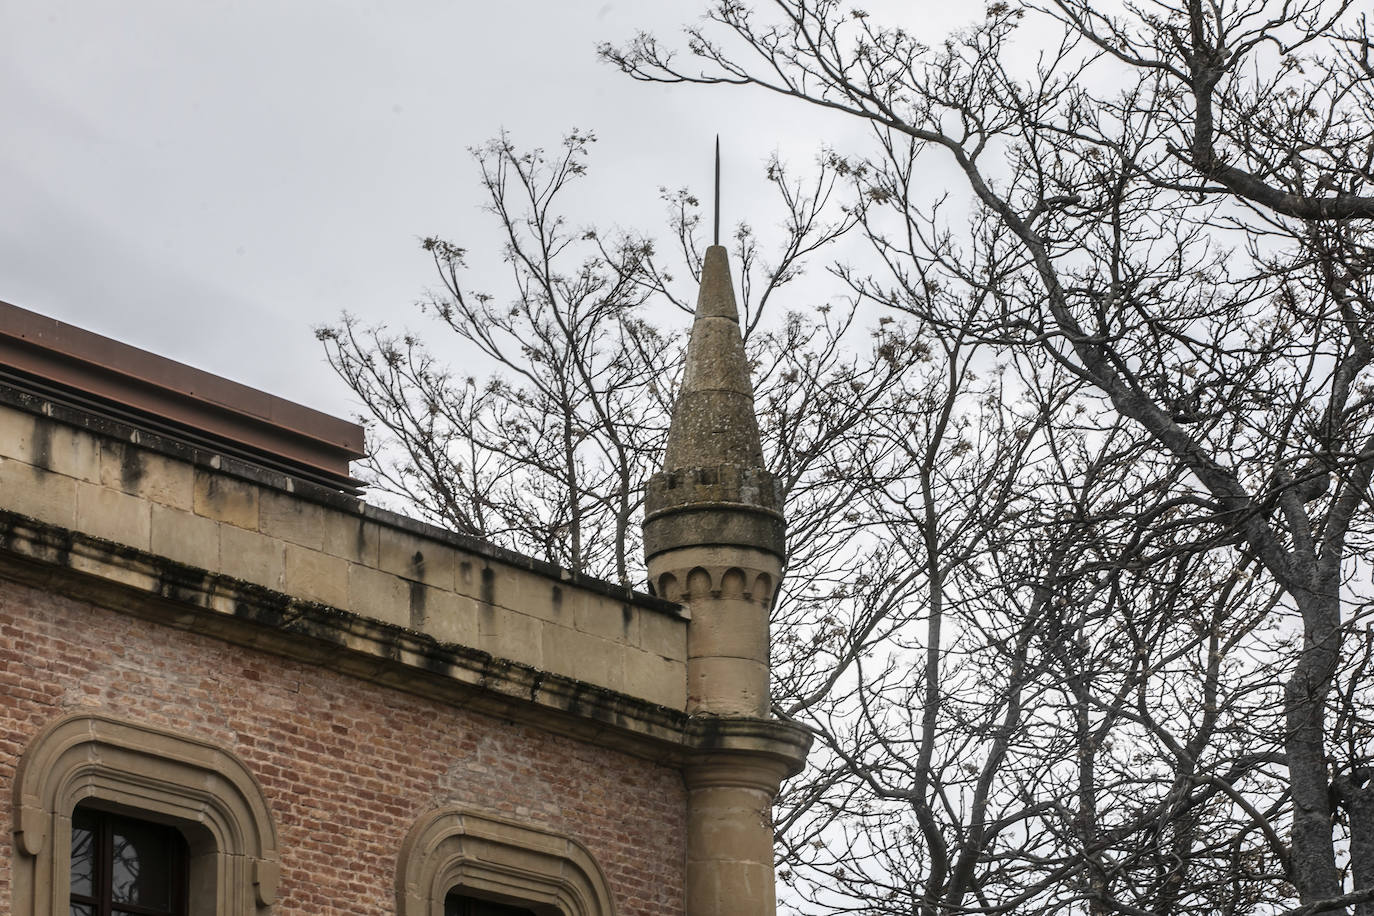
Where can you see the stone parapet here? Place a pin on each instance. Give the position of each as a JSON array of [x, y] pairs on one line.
[[151, 587], [98, 478], [724, 505]]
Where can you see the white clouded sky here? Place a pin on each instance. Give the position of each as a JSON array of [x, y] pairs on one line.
[[211, 179]]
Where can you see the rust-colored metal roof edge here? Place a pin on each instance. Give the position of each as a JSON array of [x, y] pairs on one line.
[[96, 373]]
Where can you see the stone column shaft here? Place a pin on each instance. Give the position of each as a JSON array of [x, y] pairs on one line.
[[729, 851]]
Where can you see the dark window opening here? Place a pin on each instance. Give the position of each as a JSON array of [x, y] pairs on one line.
[[455, 904], [121, 866]]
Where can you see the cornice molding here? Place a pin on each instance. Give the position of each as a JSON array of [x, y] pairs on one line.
[[145, 585]]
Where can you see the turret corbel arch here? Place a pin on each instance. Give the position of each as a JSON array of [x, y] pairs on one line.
[[718, 580]]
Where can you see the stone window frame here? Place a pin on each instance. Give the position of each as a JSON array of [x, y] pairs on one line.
[[146, 772], [455, 848]]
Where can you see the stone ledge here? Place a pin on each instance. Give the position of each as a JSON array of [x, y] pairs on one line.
[[722, 738], [125, 579]]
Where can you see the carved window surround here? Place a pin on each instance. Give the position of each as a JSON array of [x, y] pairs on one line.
[[452, 848], [125, 767]]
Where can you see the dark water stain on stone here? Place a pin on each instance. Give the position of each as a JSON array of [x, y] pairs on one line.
[[488, 587], [131, 469], [417, 605], [42, 445]]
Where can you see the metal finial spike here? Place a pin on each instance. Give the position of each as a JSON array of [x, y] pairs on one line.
[[717, 233]]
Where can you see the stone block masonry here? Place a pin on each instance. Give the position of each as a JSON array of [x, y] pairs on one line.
[[344, 710]]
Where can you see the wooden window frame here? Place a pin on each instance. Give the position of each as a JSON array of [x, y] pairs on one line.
[[102, 901]]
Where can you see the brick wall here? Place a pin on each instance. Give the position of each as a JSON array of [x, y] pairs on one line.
[[347, 766]]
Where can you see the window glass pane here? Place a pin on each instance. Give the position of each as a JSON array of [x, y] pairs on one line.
[[82, 909], [456, 904], [83, 855], [141, 866]]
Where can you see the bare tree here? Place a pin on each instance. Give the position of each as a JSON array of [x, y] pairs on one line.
[[548, 453], [1169, 212], [548, 450]]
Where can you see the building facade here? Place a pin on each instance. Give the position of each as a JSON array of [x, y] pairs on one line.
[[228, 685]]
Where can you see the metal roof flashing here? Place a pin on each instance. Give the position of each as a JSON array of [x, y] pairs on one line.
[[97, 374]]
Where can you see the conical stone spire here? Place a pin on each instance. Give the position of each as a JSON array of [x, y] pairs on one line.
[[713, 423], [714, 488]]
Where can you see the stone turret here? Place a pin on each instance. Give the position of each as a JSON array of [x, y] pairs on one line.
[[713, 532], [714, 541]]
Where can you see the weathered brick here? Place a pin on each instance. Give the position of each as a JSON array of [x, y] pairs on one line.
[[347, 765]]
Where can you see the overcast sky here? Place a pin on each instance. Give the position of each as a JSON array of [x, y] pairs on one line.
[[211, 179]]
